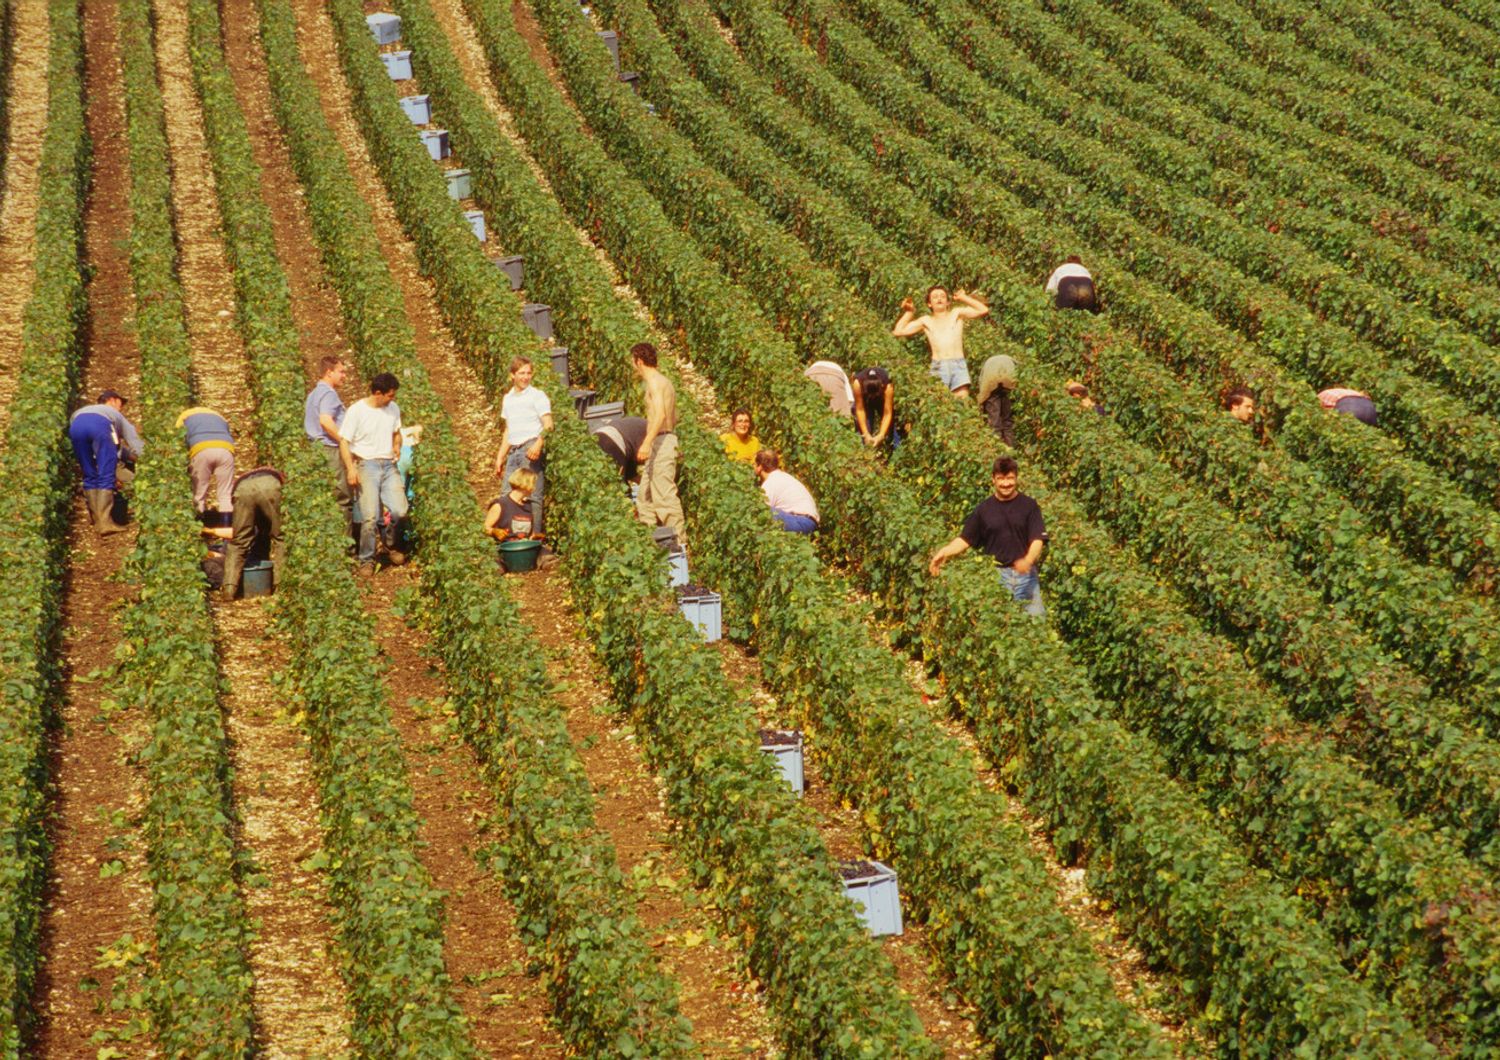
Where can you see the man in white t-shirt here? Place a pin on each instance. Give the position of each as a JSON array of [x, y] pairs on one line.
[[369, 446], [527, 412]]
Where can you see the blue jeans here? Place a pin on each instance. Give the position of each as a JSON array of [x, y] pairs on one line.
[[953, 371], [797, 524], [517, 458], [98, 453], [379, 484], [1025, 588]]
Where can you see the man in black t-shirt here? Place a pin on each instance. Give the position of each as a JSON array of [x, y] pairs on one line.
[[620, 440], [1009, 527]]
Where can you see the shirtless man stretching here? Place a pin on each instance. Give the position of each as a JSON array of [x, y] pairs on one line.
[[945, 333], [656, 500]]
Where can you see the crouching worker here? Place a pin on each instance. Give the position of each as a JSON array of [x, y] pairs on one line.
[[1072, 287], [1007, 525], [210, 460], [100, 433], [256, 526], [1354, 403], [791, 502], [510, 516]]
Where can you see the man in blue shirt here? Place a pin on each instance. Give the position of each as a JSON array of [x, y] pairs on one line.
[[321, 416], [99, 433]]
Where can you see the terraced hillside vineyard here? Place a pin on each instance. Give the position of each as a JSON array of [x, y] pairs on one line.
[[1237, 791]]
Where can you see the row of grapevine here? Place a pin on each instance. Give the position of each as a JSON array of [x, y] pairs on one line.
[[846, 492], [831, 989], [1431, 520], [1465, 650], [1172, 660], [201, 989], [34, 509], [559, 869]]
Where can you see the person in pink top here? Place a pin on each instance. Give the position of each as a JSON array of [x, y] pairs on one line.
[[791, 503], [1354, 403]]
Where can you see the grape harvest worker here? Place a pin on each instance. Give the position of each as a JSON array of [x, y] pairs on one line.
[[791, 503], [996, 380], [875, 407], [1354, 403], [100, 433], [834, 383], [944, 327], [369, 443], [1240, 404], [1007, 525], [620, 440], [1081, 393], [656, 502], [527, 412], [509, 515], [210, 458], [1072, 286], [322, 413], [740, 442], [256, 499]]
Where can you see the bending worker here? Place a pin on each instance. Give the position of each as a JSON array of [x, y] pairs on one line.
[[210, 459], [99, 433], [256, 500]]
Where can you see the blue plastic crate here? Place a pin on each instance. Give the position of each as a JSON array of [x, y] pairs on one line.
[[872, 888], [460, 187], [418, 108], [538, 317], [703, 609], [436, 142], [385, 27], [397, 65], [514, 267], [476, 224], [785, 748]]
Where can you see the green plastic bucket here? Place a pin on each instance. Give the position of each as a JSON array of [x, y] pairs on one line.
[[519, 555]]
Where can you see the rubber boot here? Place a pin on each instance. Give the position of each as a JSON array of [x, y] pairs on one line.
[[101, 503]]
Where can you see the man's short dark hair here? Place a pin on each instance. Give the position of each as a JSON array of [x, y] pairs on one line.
[[1005, 465], [384, 383], [767, 460], [328, 364], [934, 287], [645, 353], [1237, 397]]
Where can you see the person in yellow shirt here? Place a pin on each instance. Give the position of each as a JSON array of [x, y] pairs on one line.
[[740, 444]]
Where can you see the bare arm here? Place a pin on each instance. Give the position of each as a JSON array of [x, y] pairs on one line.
[[907, 325], [887, 414], [957, 547], [351, 469], [504, 448], [535, 452], [329, 427], [971, 308], [655, 415], [1026, 562], [492, 523], [859, 413]]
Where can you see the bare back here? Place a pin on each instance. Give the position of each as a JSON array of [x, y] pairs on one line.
[[945, 334], [661, 401]]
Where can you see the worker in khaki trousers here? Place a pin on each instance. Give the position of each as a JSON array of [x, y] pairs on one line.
[[656, 501]]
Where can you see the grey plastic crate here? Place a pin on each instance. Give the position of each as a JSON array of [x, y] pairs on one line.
[[538, 317], [703, 609], [611, 41], [397, 65], [476, 224], [602, 412], [436, 142], [385, 27], [558, 355], [581, 397], [460, 187], [677, 568], [785, 747], [418, 108], [514, 266], [633, 79], [872, 888]]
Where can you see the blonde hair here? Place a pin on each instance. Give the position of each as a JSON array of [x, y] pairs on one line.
[[523, 479]]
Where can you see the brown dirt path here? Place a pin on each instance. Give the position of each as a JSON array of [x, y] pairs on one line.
[[301, 1005], [27, 109], [508, 1010], [96, 921], [727, 1016]]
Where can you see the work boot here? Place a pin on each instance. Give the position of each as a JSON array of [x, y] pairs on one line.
[[101, 503]]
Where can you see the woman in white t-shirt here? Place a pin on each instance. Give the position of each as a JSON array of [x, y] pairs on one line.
[[527, 412], [1072, 286]]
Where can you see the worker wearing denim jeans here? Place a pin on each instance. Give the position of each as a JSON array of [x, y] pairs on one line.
[[369, 443], [1008, 525]]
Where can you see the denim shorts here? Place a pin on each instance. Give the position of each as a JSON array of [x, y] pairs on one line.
[[953, 371]]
